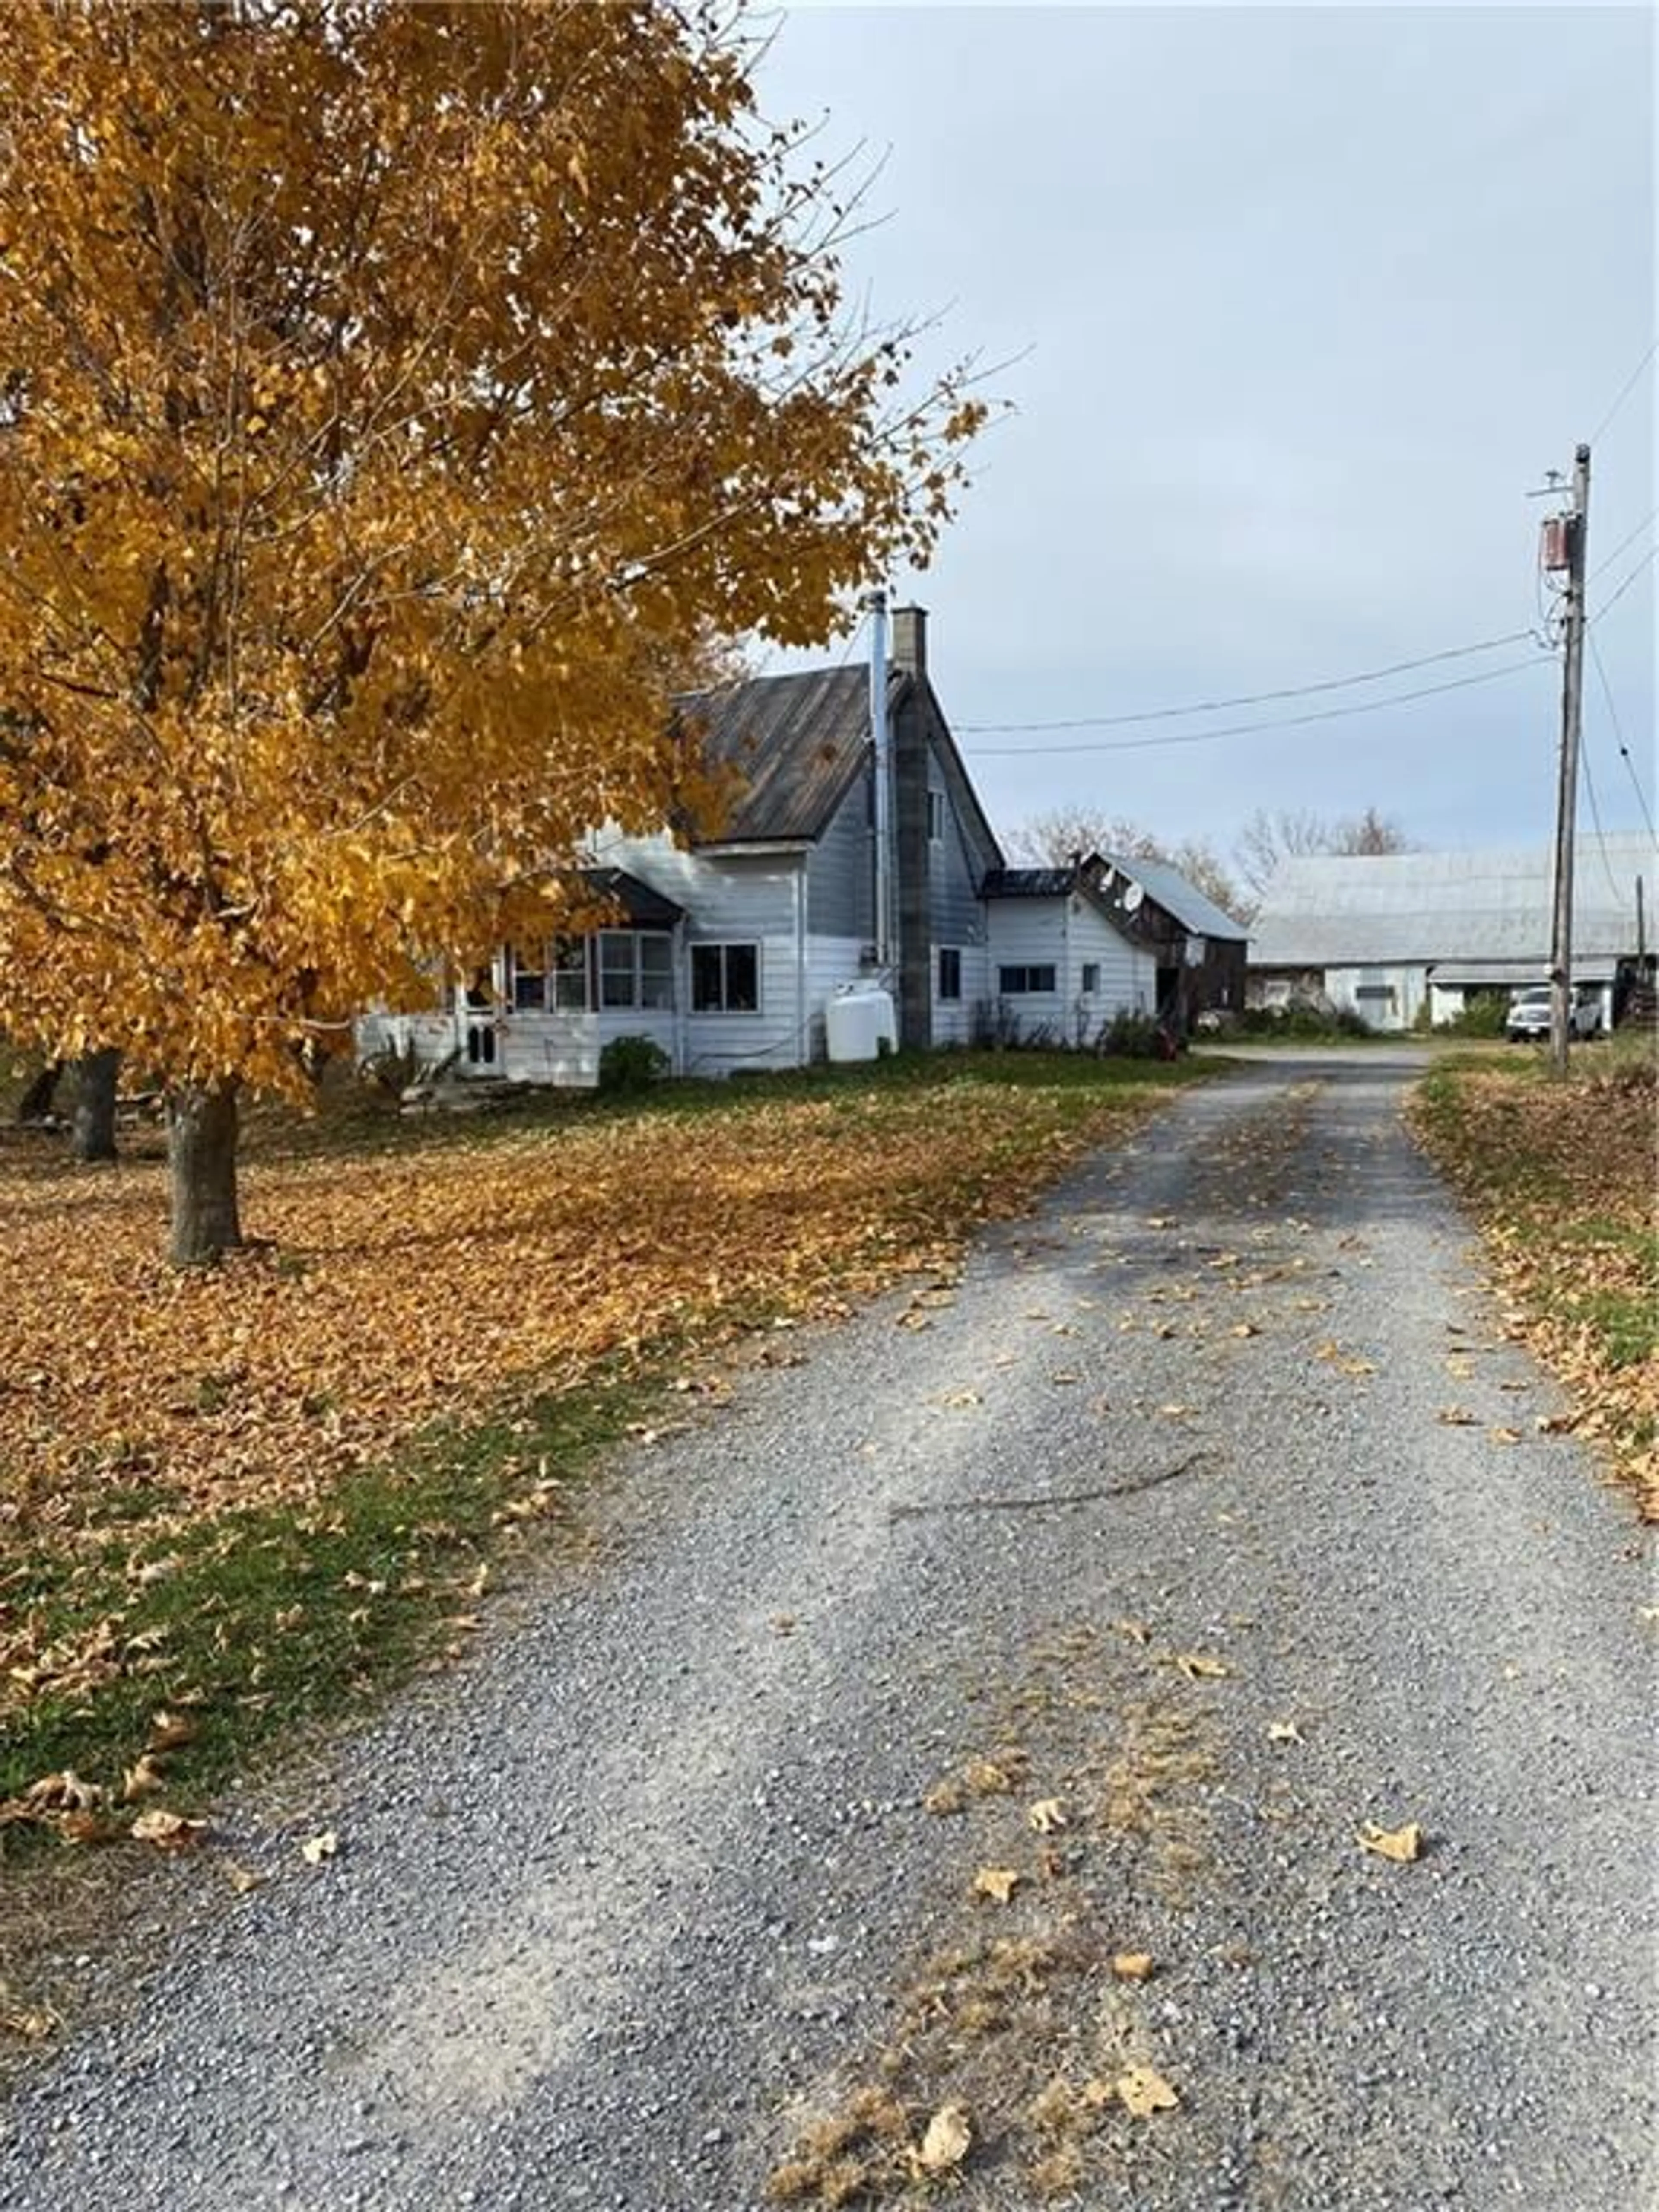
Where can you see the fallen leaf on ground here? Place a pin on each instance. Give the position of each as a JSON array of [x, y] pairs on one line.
[[168, 1730], [1137, 1631], [243, 1879], [1200, 1666], [1456, 1417], [959, 1399], [1144, 2092], [1284, 1732], [63, 1793], [316, 1849], [1132, 1966], [1504, 1435], [168, 1831], [1402, 1846], [998, 1883], [946, 2144], [1244, 1328], [1046, 1816], [140, 1778]]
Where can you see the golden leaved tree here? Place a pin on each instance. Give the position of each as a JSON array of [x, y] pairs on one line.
[[394, 398]]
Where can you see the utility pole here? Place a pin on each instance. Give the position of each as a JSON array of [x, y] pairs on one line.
[[1577, 532]]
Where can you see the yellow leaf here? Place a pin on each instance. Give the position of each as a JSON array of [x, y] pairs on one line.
[[1504, 1435], [1284, 1732], [958, 1400], [998, 1883], [1046, 1816], [243, 1879], [1132, 1966], [168, 1730], [1402, 1846], [1144, 2092], [1137, 1631], [1244, 1328], [141, 1778], [168, 1831], [1454, 1417], [946, 2144], [316, 1849]]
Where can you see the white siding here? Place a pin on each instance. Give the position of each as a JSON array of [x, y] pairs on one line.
[[734, 899], [1068, 934], [1387, 998]]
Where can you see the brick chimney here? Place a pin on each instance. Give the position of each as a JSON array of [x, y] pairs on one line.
[[912, 725], [909, 646]]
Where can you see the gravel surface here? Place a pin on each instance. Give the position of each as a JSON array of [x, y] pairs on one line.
[[623, 1904]]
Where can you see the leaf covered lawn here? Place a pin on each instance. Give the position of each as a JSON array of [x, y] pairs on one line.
[[421, 1285], [1560, 1178]]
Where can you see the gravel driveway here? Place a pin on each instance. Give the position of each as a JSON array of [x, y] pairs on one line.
[[1210, 1520]]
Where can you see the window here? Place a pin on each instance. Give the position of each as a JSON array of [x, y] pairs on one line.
[[1091, 978], [635, 968], [570, 975], [725, 979], [936, 817], [527, 974], [1019, 982], [949, 972]]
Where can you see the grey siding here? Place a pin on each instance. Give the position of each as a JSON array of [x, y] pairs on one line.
[[955, 911], [841, 871]]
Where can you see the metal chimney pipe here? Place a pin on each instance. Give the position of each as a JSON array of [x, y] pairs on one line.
[[881, 749]]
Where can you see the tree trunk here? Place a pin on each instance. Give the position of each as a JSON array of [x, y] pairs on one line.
[[201, 1173], [92, 1133], [35, 1104]]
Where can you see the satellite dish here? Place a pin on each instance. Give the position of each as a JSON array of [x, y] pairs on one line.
[[1134, 898]]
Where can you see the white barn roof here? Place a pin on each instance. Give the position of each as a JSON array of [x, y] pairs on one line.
[[1330, 910]]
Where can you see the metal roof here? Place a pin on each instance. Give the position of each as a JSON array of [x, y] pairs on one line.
[[1028, 883], [645, 909], [1199, 915], [1330, 910], [797, 742]]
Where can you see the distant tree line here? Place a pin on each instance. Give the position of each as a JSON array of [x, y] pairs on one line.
[[1237, 882]]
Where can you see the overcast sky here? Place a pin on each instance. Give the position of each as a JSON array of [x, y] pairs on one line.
[[1307, 300]]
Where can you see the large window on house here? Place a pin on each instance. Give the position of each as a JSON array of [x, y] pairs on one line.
[[636, 969], [949, 972], [725, 979], [1021, 982], [568, 976], [527, 979]]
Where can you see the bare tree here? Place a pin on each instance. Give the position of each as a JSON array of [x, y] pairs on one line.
[[1287, 833], [1067, 833]]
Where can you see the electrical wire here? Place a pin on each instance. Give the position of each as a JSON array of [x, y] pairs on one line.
[[1588, 782], [1629, 539], [1619, 734], [1248, 729], [1244, 699], [1613, 598], [1624, 392]]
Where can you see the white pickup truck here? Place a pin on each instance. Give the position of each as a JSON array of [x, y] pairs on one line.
[[1528, 1021]]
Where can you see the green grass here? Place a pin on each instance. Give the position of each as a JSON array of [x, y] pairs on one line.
[[264, 1623]]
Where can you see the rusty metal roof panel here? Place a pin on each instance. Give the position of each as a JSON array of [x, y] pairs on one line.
[[797, 742]]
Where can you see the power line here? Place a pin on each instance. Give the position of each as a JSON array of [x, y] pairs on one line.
[[1624, 392], [1619, 735], [1595, 817], [1244, 699], [1249, 729], [1613, 598], [1602, 566]]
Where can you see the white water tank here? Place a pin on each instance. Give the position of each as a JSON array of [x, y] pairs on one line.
[[857, 1020]]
